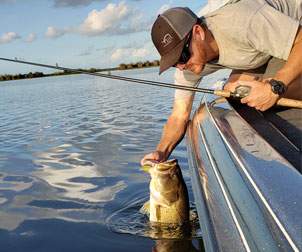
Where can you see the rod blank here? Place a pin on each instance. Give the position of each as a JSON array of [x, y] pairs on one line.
[[281, 102], [115, 77]]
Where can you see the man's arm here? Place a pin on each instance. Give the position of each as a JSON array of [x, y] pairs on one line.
[[293, 67], [176, 125], [173, 131], [261, 96]]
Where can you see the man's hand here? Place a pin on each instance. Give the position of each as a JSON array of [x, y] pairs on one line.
[[154, 157], [261, 95]]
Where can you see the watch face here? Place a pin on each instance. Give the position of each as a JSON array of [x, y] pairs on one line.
[[277, 87]]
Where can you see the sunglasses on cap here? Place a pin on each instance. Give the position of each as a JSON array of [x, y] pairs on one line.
[[185, 54]]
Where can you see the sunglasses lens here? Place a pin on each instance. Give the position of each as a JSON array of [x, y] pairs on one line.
[[185, 56]]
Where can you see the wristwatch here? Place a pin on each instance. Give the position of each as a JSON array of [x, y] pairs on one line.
[[278, 87]]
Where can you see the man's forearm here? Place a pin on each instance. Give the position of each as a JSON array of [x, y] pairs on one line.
[[293, 67], [173, 132]]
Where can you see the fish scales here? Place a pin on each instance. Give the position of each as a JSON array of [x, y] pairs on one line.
[[169, 202]]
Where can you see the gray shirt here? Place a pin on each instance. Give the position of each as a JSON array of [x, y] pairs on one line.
[[248, 33]]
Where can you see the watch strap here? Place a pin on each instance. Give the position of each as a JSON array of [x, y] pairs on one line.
[[278, 87]]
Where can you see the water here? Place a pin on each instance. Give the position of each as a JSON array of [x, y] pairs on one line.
[[70, 151]]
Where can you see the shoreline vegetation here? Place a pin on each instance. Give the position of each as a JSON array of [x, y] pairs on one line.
[[30, 75]]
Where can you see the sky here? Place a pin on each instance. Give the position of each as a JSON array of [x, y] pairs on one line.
[[79, 33]]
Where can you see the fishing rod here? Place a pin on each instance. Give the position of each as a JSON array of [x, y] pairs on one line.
[[240, 91], [115, 77]]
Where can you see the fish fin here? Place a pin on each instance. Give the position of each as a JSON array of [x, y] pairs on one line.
[[145, 209]]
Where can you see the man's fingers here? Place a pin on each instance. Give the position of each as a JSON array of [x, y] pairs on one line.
[[230, 86], [146, 158], [151, 157], [251, 104], [150, 162], [260, 96], [245, 100], [145, 161], [261, 107]]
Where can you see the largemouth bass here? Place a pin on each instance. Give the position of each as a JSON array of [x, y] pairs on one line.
[[169, 201]]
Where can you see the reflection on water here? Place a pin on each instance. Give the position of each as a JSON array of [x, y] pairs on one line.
[[70, 150], [15, 183], [74, 177], [176, 246], [130, 220]]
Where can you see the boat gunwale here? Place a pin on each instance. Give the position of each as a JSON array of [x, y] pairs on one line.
[[209, 109]]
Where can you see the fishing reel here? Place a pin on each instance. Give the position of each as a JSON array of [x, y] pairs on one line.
[[241, 92]]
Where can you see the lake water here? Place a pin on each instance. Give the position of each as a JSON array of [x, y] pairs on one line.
[[70, 148]]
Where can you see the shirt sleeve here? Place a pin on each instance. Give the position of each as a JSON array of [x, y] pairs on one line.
[[272, 32], [189, 79]]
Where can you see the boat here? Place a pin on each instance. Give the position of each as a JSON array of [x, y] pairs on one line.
[[246, 176]]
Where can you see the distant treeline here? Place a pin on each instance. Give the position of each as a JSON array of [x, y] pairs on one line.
[[139, 65], [30, 75], [21, 76]]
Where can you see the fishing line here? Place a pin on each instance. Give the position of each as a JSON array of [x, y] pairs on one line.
[[115, 77]]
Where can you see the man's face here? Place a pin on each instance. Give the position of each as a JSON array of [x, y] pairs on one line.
[[198, 57]]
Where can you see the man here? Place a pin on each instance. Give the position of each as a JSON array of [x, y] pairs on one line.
[[261, 40]]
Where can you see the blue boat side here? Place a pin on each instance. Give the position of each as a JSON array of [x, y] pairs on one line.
[[248, 196]]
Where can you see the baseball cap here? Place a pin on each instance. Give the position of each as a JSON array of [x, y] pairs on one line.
[[169, 33]]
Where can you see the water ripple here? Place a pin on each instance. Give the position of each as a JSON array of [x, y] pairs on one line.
[[70, 150]]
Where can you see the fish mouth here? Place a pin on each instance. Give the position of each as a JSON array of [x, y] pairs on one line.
[[160, 168], [165, 166]]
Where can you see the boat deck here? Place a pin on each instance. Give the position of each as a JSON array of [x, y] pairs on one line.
[[281, 127]]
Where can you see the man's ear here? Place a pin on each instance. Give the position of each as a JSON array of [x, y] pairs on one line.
[[199, 31]]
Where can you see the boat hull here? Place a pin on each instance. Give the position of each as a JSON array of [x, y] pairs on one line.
[[247, 195]]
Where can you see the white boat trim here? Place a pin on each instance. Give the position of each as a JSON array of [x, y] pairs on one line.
[[266, 204], [246, 245]]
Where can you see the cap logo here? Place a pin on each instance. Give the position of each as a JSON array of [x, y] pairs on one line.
[[167, 40]]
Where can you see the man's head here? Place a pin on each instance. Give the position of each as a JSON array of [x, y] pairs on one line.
[[179, 38]]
